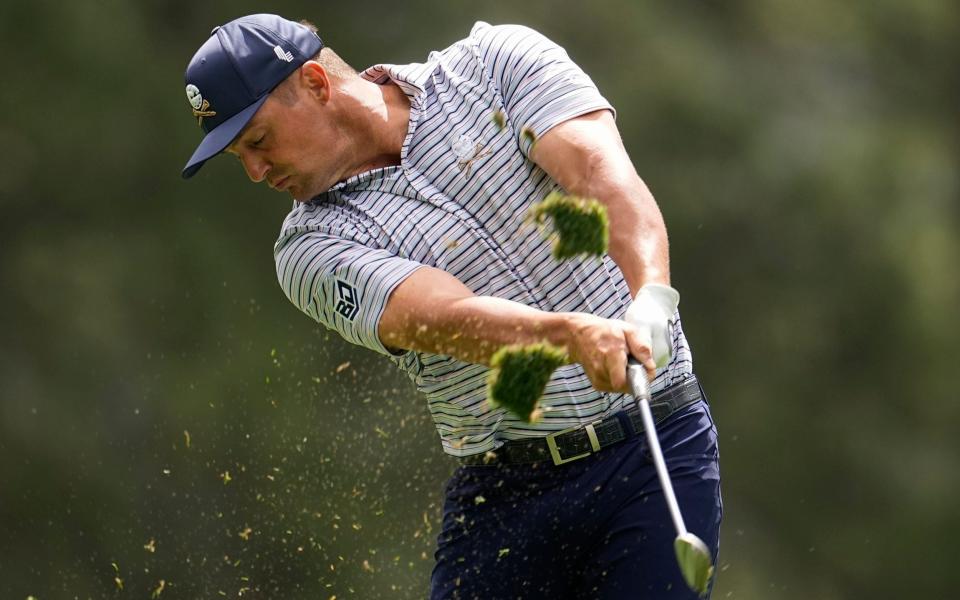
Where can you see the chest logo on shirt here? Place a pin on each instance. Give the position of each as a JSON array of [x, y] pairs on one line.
[[348, 301], [467, 152]]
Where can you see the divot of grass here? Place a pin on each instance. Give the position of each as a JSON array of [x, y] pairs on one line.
[[519, 376], [580, 226]]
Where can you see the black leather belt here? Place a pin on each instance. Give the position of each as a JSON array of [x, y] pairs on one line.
[[583, 440]]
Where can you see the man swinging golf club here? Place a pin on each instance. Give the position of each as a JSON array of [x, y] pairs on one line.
[[407, 236]]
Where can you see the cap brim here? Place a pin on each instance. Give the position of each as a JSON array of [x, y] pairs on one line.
[[214, 142]]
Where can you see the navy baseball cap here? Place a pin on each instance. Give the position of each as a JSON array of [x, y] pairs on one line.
[[234, 71]]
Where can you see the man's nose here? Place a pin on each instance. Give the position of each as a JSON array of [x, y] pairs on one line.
[[255, 166]]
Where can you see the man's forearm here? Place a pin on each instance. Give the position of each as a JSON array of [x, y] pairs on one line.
[[454, 322], [432, 311], [638, 235], [639, 244]]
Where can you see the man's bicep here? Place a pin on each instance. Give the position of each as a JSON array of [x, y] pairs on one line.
[[416, 306], [585, 153]]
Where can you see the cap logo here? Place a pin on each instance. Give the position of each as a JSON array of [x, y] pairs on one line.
[[200, 105], [284, 56]]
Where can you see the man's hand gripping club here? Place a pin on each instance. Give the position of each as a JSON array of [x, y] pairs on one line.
[[602, 346], [652, 313]]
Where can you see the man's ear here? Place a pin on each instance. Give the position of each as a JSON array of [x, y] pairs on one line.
[[316, 80]]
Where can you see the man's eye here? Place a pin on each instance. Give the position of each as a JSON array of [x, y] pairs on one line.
[[257, 141]]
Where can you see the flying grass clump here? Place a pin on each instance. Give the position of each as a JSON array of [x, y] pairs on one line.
[[519, 376], [580, 226]]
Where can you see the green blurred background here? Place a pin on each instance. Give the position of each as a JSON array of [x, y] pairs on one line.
[[167, 415]]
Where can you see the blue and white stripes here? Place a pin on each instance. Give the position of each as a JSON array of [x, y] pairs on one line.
[[458, 202]]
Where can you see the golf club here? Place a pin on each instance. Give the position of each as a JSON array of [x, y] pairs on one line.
[[693, 556]]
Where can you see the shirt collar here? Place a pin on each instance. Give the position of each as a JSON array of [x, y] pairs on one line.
[[412, 79]]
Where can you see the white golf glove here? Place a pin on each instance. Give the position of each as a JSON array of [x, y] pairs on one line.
[[652, 312]]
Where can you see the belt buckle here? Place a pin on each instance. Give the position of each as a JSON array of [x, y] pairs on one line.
[[555, 452]]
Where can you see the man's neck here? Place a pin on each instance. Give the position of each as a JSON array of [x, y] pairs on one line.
[[387, 111], [398, 116]]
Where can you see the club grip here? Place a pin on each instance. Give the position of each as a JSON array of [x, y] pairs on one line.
[[637, 377]]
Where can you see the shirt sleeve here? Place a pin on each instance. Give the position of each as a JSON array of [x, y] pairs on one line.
[[540, 86], [340, 283]]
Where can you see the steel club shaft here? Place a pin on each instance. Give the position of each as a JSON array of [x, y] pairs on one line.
[[693, 556]]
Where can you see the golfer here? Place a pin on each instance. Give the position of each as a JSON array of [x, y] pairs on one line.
[[408, 236]]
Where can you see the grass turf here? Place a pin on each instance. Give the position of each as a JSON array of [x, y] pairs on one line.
[[519, 376], [580, 226]]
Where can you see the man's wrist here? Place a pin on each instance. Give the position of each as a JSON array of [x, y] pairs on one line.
[[557, 329], [664, 296]]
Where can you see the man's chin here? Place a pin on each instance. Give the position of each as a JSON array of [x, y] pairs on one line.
[[301, 195], [307, 193]]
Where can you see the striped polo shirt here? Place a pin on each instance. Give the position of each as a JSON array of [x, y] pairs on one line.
[[458, 201]]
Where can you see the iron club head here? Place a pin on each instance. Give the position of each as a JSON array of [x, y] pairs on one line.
[[695, 562]]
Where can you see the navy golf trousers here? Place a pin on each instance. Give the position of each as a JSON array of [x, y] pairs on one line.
[[596, 528]]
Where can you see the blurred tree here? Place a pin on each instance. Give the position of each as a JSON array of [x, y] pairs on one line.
[[167, 416]]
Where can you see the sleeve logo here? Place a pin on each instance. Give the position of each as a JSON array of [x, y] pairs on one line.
[[348, 301]]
